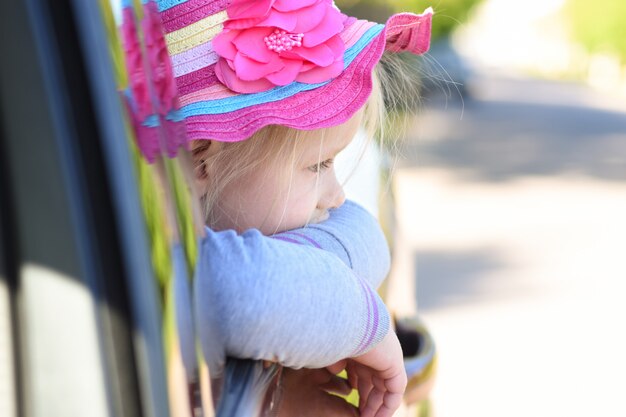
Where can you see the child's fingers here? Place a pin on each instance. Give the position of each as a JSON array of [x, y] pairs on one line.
[[393, 391], [381, 404], [337, 385], [353, 377], [384, 397], [374, 402], [337, 367], [396, 383], [391, 402], [365, 387]]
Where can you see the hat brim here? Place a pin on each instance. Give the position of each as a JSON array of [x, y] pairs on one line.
[[299, 106], [211, 111]]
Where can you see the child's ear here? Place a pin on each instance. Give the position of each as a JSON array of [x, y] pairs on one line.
[[201, 153]]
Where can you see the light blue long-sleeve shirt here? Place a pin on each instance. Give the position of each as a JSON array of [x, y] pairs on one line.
[[304, 298]]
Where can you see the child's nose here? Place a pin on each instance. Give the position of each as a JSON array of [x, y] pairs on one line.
[[340, 198], [334, 196]]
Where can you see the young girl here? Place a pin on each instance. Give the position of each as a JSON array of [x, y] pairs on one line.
[[271, 91], [305, 307]]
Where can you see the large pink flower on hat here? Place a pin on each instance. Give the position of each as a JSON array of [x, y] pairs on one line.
[[268, 43]]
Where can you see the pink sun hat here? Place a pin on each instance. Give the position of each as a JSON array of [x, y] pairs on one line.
[[240, 65]]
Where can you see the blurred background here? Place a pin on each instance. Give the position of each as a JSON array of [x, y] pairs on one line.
[[510, 194]]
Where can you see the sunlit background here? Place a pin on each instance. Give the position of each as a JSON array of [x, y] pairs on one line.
[[510, 193]]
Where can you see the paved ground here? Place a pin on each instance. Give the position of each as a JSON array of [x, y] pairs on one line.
[[512, 212]]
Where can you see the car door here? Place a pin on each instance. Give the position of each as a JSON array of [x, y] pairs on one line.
[[80, 306]]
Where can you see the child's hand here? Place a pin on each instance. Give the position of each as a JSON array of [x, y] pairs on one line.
[[306, 394], [379, 376]]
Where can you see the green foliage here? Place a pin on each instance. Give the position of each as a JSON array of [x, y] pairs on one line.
[[184, 211], [601, 26], [448, 13], [115, 45]]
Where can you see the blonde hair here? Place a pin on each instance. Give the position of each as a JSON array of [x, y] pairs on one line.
[[269, 145]]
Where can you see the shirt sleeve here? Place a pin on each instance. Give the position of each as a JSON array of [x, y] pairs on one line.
[[352, 234], [299, 304]]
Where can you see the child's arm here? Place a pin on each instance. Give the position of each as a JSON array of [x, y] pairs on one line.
[[263, 298], [355, 236], [352, 234]]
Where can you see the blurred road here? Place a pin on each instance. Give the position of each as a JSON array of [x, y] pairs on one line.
[[511, 212]]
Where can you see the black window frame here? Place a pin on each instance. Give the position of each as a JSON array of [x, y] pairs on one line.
[[59, 105]]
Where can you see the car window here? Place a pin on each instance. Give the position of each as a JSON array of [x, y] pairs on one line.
[[94, 233], [158, 144]]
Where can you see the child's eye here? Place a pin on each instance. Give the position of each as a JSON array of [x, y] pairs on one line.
[[321, 166]]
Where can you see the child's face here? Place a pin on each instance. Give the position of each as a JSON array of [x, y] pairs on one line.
[[287, 193]]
